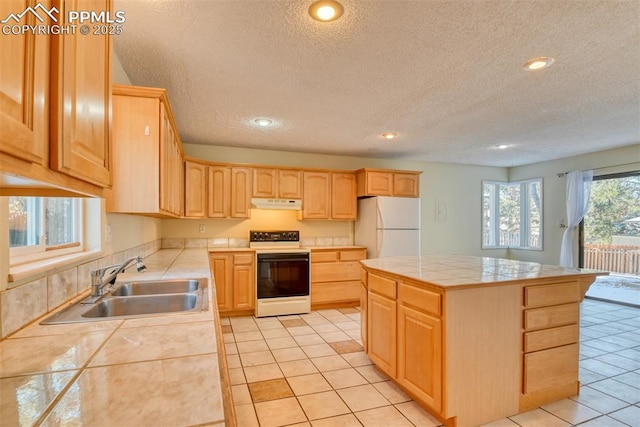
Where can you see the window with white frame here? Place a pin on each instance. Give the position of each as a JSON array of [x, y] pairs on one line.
[[512, 214], [44, 227]]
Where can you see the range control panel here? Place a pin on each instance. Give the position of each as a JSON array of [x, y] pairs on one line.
[[274, 236]]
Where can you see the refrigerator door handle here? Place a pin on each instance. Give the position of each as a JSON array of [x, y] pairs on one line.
[[380, 234]]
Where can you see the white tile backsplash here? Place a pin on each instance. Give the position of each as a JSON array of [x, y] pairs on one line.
[[22, 304], [195, 243], [218, 242], [61, 287]]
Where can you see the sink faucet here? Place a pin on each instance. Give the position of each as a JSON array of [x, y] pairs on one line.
[[99, 281]]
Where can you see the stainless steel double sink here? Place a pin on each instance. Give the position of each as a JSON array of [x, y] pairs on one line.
[[139, 299]]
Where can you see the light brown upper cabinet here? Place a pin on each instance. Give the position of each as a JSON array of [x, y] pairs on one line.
[[386, 182], [24, 89], [329, 195], [277, 183], [55, 103], [195, 189], [228, 192], [148, 176]]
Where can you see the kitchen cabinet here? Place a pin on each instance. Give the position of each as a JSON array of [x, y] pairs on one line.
[[385, 182], [420, 344], [472, 351], [335, 276], [234, 277], [55, 103], [228, 193], [382, 323], [550, 340], [363, 309], [24, 89], [277, 183], [329, 195], [148, 162], [81, 99], [344, 203], [195, 189]]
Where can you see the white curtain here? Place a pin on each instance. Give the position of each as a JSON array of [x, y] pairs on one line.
[[578, 192]]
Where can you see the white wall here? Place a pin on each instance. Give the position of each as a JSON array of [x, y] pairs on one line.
[[554, 188], [457, 188]]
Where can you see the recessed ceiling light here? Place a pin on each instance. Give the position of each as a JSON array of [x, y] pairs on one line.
[[501, 146], [389, 135], [538, 63], [263, 122], [326, 10]]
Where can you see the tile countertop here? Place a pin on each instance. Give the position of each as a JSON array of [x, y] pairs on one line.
[[98, 373], [457, 271]]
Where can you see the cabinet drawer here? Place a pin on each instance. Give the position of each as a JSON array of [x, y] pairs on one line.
[[549, 317], [550, 368], [549, 338], [335, 271], [420, 298], [331, 256], [542, 296], [239, 259], [382, 286], [322, 293], [353, 255]]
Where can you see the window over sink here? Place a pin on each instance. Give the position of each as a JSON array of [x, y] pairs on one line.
[[44, 227]]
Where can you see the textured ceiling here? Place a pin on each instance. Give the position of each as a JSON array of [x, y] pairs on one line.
[[445, 75]]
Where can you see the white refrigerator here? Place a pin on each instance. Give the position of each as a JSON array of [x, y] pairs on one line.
[[388, 226]]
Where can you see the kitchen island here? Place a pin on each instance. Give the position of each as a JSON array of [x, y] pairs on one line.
[[474, 339], [156, 370]]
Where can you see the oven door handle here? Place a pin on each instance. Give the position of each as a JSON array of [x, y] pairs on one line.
[[276, 259]]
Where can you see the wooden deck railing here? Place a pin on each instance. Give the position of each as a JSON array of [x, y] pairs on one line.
[[616, 259]]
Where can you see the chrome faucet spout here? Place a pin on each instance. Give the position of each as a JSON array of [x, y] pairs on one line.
[[99, 281]]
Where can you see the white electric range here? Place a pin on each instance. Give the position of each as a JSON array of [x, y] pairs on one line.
[[283, 284]]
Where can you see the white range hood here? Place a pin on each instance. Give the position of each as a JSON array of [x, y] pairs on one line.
[[282, 204]]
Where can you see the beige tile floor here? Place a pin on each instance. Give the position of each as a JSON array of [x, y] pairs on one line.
[[310, 370]]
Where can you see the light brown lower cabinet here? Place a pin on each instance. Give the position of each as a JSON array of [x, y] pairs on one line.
[[335, 276], [234, 274], [420, 354], [472, 355]]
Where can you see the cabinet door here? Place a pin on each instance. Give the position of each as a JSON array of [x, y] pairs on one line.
[[265, 183], [222, 269], [344, 202], [381, 328], [24, 88], [81, 99], [243, 287], [240, 192], [290, 184], [136, 155], [406, 184], [379, 183], [178, 175], [219, 192], [195, 190], [316, 195], [420, 355], [166, 162], [363, 316]]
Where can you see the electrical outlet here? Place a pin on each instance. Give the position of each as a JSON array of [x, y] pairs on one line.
[[107, 233], [202, 228]]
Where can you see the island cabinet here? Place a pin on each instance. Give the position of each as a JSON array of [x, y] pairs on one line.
[[234, 279], [335, 276], [329, 195], [277, 183], [148, 160], [468, 349], [384, 182], [55, 104]]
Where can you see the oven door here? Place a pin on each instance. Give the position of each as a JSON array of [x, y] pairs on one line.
[[282, 275]]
